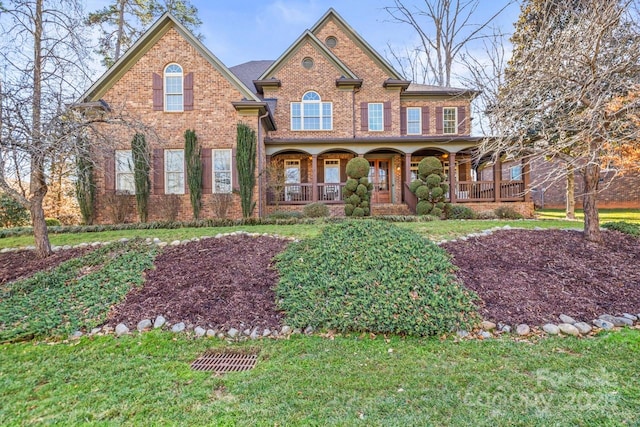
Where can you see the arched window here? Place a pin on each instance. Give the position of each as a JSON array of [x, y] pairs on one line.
[[173, 90], [311, 113]]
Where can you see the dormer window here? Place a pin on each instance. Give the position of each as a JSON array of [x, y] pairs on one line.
[[173, 89], [311, 113]]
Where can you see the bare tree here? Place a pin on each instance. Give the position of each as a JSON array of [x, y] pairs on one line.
[[444, 28], [557, 102]]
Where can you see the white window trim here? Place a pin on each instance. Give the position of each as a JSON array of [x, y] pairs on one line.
[[455, 120], [167, 172], [164, 87], [333, 164], [381, 117], [118, 174], [213, 170], [322, 117], [511, 170], [419, 120]]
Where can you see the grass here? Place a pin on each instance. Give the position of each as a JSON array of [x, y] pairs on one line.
[[146, 380], [435, 230], [606, 215]]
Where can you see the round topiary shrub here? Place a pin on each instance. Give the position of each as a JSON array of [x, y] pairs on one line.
[[422, 192], [380, 278], [424, 207], [351, 185], [430, 187], [358, 167], [357, 190], [430, 165]]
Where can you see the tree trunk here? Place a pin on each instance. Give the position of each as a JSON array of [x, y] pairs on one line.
[[591, 216], [38, 184], [120, 32], [571, 186]]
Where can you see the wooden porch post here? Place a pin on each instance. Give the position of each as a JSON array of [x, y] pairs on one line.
[[497, 179], [314, 178], [453, 185], [526, 178]]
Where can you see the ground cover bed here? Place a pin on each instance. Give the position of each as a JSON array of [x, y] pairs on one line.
[[521, 276]]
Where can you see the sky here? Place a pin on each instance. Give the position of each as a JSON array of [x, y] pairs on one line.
[[238, 31]]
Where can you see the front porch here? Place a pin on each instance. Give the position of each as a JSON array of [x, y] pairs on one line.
[[298, 178]]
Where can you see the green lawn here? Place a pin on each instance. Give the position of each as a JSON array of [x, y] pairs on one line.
[[435, 230], [146, 380], [606, 215]]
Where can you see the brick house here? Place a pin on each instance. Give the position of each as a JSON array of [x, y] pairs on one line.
[[328, 98]]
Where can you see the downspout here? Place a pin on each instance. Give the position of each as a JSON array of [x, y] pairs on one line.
[[260, 162]]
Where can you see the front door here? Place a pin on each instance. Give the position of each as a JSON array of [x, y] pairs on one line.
[[379, 177]]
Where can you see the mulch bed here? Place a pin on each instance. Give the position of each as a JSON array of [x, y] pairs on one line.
[[532, 277], [22, 264], [213, 283]]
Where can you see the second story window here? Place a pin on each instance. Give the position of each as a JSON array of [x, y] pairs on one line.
[[450, 120], [311, 113], [375, 117], [173, 91], [414, 120]]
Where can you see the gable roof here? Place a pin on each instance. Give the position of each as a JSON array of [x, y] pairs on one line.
[[307, 37], [331, 14], [146, 42]]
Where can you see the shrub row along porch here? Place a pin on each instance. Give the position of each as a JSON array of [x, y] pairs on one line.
[[298, 179]]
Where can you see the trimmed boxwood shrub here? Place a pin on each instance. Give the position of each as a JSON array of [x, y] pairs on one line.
[[430, 187], [316, 210], [357, 191], [459, 212], [506, 212], [372, 276]]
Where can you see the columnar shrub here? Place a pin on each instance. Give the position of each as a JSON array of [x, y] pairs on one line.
[[85, 182], [141, 168], [372, 276], [246, 166], [357, 190], [430, 187], [192, 153]]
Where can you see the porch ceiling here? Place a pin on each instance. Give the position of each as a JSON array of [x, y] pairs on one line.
[[364, 146]]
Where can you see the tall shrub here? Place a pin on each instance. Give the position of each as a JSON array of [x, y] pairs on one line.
[[430, 187], [192, 153], [85, 182], [141, 167], [246, 166], [12, 213], [357, 190]]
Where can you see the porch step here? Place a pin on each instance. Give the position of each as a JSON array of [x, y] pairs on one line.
[[390, 209]]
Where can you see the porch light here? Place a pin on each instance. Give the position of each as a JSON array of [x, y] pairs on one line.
[[445, 156]]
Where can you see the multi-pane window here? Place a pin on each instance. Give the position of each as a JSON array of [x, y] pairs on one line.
[[173, 90], [375, 117], [414, 170], [450, 120], [221, 171], [174, 171], [331, 171], [414, 120], [124, 172], [311, 113]]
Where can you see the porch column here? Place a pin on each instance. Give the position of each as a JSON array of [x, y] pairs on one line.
[[407, 168], [453, 185], [497, 179], [314, 178], [360, 155], [526, 179]]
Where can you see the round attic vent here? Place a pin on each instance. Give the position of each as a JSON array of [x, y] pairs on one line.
[[331, 41], [307, 63]]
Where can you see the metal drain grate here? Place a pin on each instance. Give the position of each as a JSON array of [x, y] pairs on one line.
[[227, 361]]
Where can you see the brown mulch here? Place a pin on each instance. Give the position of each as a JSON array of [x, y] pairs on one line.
[[213, 283], [526, 276], [22, 264]]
